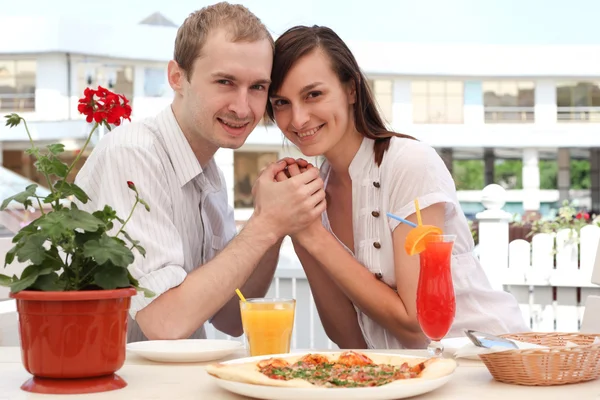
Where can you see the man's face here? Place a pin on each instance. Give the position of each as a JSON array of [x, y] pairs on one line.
[[227, 94]]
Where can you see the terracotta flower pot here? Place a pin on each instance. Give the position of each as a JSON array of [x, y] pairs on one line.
[[73, 342]]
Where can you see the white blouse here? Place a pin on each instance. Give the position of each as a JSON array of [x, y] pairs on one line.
[[412, 169]]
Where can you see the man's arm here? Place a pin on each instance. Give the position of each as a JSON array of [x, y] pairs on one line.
[[281, 208], [228, 318], [178, 312]]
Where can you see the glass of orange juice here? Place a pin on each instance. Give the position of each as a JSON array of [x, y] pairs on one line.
[[268, 324]]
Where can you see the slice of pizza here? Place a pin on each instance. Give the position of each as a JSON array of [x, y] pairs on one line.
[[328, 370]]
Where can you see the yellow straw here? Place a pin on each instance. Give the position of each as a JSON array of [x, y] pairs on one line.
[[418, 212], [240, 294]]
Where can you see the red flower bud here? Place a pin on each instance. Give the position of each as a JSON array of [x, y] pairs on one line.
[[130, 185]]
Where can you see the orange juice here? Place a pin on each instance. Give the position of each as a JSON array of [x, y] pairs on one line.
[[268, 325]]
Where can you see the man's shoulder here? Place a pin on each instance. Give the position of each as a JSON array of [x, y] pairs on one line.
[[142, 134]]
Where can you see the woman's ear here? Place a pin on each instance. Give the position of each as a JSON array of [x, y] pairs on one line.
[[351, 91]]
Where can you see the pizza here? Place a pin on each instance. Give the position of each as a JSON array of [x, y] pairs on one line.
[[348, 369]]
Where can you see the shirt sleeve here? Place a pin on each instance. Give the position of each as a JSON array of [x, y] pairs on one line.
[[416, 171], [105, 182]]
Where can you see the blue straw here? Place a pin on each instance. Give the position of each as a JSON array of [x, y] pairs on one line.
[[397, 218]]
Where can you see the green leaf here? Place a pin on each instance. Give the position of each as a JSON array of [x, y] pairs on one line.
[[107, 214], [134, 282], [135, 244], [32, 249], [26, 231], [56, 148], [10, 256], [22, 197], [28, 277], [110, 277], [69, 189], [52, 166], [5, 280], [49, 282], [108, 248], [147, 292], [51, 224], [33, 151], [69, 219]]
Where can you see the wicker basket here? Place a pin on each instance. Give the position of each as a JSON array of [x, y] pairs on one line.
[[556, 365]]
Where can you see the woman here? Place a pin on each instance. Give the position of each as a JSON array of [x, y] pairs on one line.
[[363, 282]]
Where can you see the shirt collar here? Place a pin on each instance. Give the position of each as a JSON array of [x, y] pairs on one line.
[[362, 158], [184, 161]]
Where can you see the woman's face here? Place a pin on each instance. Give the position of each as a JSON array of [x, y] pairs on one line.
[[313, 108]]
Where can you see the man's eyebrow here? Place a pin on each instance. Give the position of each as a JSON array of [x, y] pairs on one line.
[[223, 75]]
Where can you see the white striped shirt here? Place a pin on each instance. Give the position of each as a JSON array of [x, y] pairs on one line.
[[189, 221]]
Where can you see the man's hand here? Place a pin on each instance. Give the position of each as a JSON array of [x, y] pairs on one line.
[[295, 168], [289, 206]]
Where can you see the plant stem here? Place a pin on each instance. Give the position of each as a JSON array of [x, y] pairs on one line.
[[130, 214], [75, 161], [45, 174]]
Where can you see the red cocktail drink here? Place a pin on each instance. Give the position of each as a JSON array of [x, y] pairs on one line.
[[436, 304]]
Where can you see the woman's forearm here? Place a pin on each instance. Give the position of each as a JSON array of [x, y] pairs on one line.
[[373, 297]]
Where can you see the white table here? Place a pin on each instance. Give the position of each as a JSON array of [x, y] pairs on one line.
[[149, 380]]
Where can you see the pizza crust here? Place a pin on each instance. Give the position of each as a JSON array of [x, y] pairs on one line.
[[249, 372]]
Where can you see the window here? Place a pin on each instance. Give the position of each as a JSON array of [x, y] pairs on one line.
[[437, 102], [155, 82], [17, 85], [578, 101], [382, 91], [246, 167], [117, 78], [508, 101]]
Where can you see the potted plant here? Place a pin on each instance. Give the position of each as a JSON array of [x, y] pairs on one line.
[[74, 295]]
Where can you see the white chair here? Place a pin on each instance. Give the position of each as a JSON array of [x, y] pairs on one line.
[[590, 322]]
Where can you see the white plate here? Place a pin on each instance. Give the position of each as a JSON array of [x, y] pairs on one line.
[[184, 350], [399, 390]]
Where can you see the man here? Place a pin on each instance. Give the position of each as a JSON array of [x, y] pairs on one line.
[[220, 75]]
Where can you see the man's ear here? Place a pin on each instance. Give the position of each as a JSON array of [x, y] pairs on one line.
[[176, 76]]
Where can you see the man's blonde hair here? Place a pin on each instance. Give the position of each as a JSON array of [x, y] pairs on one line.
[[239, 22]]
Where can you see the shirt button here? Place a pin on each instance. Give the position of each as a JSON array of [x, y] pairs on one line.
[[376, 184], [375, 214], [377, 245]]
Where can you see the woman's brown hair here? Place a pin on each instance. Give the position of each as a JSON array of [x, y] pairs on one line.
[[298, 42]]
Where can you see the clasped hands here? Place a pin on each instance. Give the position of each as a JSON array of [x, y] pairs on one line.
[[290, 194]]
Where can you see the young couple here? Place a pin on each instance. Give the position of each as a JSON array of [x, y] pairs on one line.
[[226, 71]]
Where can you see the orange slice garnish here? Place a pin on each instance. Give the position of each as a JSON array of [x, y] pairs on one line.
[[417, 238]]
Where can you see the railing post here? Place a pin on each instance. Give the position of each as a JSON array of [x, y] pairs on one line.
[[493, 234]]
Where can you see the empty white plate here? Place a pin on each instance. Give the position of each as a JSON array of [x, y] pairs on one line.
[[184, 350]]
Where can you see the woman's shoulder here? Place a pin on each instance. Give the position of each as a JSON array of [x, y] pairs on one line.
[[407, 150]]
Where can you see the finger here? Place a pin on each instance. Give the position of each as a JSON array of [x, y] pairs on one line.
[[288, 160], [302, 162], [272, 170], [312, 187], [317, 198], [302, 170], [309, 176], [281, 176], [293, 169]]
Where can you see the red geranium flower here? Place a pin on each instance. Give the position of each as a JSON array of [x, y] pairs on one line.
[[102, 105]]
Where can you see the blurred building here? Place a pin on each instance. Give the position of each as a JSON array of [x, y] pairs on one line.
[[471, 102]]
